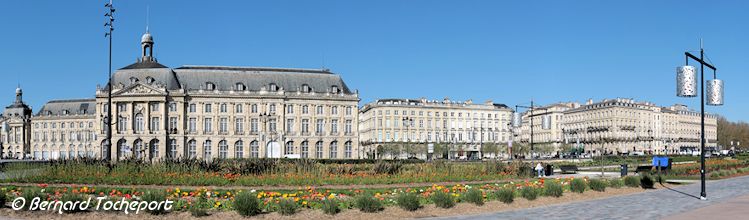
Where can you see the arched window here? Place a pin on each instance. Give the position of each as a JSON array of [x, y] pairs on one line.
[[333, 150], [192, 148], [240, 87], [273, 87], [137, 149], [254, 149], [347, 149], [149, 79], [318, 150], [290, 147], [154, 147], [239, 149], [223, 149], [121, 149], [71, 150], [133, 80], [172, 153], [210, 86], [138, 123], [305, 149], [207, 149], [306, 88]]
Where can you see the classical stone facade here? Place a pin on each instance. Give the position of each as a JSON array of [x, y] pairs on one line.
[[15, 129], [625, 126], [64, 129], [548, 129], [227, 112], [463, 126]]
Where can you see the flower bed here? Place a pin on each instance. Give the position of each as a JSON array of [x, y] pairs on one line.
[[307, 197]]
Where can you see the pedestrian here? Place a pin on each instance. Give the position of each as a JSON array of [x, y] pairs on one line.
[[540, 170]]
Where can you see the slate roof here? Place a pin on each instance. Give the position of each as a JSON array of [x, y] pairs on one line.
[[225, 78], [73, 106]]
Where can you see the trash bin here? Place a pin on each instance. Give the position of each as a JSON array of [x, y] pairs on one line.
[[624, 170], [549, 170]]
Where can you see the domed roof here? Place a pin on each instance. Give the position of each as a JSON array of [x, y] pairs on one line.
[[147, 38]]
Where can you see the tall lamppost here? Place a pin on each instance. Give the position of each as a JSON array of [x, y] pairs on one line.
[[517, 122], [686, 86], [107, 148]]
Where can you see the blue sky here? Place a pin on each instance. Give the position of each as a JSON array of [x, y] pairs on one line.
[[505, 51]]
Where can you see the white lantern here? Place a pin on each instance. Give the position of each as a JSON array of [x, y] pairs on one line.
[[686, 81], [517, 119], [714, 92]]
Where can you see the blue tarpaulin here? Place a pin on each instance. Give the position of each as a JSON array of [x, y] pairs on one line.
[[662, 159]]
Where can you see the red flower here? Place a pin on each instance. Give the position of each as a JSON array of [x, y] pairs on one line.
[[43, 185]]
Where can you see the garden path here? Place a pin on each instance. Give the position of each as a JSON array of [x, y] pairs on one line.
[[654, 204]]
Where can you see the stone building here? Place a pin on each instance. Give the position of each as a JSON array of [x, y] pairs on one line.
[[65, 129], [226, 112], [548, 129], [418, 123], [15, 129], [621, 126]]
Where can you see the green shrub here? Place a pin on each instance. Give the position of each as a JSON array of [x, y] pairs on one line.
[[330, 207], [287, 207], [246, 204], [199, 207], [660, 178], [714, 175], [474, 196], [632, 181], [368, 203], [408, 201], [554, 189], [3, 198], [529, 192], [157, 196], [443, 200], [578, 185], [597, 185], [646, 181], [616, 183], [73, 198], [31, 193], [506, 195]]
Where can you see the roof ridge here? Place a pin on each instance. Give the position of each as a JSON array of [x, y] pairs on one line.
[[252, 68]]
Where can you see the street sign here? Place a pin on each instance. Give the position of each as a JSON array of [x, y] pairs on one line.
[[430, 148]]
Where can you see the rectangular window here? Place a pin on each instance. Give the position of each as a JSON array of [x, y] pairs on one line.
[[172, 123], [192, 125], [172, 107], [239, 125], [121, 107], [348, 127], [289, 125], [238, 108], [348, 110], [289, 109], [305, 109], [272, 124], [320, 126], [253, 108], [154, 124], [222, 108], [192, 108], [253, 125], [122, 124], [272, 108], [334, 126], [208, 125], [222, 125], [207, 108], [155, 107], [305, 125], [334, 110]]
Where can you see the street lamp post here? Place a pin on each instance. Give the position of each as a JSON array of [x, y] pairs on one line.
[[686, 85], [108, 120], [407, 122]]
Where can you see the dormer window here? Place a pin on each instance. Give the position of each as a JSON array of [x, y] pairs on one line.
[[306, 88], [334, 89], [149, 80], [240, 87], [273, 87], [133, 80], [210, 86], [65, 112]]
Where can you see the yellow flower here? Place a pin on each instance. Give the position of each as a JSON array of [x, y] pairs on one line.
[[259, 196], [304, 202], [296, 199], [331, 196], [177, 190], [285, 195]]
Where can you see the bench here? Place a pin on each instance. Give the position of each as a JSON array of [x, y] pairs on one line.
[[568, 168]]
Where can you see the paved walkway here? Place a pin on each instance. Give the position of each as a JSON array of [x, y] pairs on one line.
[[656, 204]]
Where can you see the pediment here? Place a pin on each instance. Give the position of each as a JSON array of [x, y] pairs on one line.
[[139, 89]]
